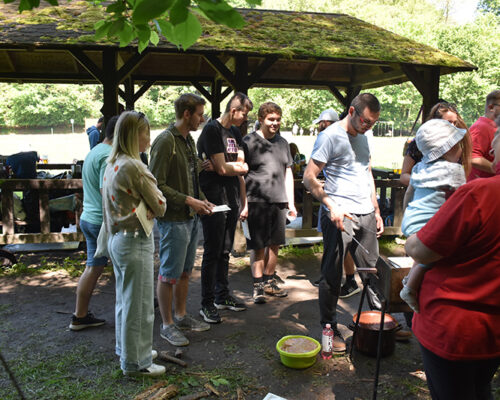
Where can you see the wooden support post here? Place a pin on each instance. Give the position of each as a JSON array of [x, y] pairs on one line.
[[129, 93], [241, 74], [216, 98], [44, 212], [110, 84], [431, 97], [7, 211], [307, 209]]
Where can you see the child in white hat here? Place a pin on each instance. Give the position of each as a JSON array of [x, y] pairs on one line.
[[433, 179]]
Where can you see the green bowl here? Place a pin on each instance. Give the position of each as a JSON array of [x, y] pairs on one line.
[[298, 360]]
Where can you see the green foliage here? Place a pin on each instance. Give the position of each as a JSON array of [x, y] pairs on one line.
[[298, 105], [491, 6], [45, 105], [146, 20]]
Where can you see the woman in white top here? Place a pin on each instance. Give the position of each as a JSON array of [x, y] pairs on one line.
[[127, 182]]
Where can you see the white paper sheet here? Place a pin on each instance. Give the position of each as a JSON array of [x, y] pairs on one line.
[[221, 208], [142, 214]]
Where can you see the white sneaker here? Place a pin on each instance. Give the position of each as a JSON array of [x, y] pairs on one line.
[[152, 370], [154, 354]]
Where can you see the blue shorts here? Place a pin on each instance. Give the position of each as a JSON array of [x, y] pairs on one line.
[[178, 243], [91, 232]]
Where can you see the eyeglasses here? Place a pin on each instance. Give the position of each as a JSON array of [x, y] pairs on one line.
[[365, 122], [140, 115]]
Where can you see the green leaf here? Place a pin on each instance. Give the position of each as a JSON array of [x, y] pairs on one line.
[[167, 30], [143, 32], [254, 2], [187, 32], [154, 38], [102, 29], [28, 4], [116, 8], [222, 13], [146, 10], [117, 26], [126, 35], [179, 11], [142, 45]]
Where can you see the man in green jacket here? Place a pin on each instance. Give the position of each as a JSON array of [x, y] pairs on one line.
[[175, 165]]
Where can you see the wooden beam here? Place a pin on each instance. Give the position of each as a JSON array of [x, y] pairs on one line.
[[262, 68], [122, 94], [313, 71], [378, 78], [415, 77], [221, 68], [88, 64], [9, 61], [144, 88], [226, 93], [301, 83], [202, 90], [338, 95], [20, 238], [131, 64]]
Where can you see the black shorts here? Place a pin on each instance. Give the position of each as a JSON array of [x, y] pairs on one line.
[[266, 224]]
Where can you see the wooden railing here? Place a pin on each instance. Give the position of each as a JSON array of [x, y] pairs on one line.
[[43, 187], [386, 188]]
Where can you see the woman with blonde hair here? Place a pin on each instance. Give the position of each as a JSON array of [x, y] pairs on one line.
[[128, 187]]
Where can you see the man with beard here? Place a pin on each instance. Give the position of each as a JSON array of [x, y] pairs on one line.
[[175, 165]]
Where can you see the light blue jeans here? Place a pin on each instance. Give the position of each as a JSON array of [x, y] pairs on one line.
[[132, 257]]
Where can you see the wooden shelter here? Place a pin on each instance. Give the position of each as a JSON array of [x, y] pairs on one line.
[[275, 49]]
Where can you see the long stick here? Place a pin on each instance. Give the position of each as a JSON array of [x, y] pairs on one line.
[[12, 377]]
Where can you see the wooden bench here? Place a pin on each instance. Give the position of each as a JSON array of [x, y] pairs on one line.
[[43, 187]]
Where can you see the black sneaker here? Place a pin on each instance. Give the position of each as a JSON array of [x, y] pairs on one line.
[[77, 324], [210, 314], [258, 293], [349, 289], [230, 303], [338, 344]]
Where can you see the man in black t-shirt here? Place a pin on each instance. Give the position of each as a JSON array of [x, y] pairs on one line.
[[220, 142], [269, 190]]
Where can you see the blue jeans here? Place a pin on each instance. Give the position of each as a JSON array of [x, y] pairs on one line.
[[178, 242], [91, 232], [132, 257]]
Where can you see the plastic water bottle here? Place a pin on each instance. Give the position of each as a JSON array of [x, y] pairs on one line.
[[327, 342]]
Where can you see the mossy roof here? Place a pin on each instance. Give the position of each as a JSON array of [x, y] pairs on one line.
[[287, 34]]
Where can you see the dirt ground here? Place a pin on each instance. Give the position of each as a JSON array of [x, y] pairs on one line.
[[35, 314]]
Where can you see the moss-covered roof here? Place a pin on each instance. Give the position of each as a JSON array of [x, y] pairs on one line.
[[288, 34]]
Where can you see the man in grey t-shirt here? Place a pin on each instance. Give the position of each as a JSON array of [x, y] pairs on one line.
[[349, 201]]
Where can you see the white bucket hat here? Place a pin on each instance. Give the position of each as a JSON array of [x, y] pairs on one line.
[[436, 137], [327, 115]]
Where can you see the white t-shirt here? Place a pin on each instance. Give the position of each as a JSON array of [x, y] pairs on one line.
[[347, 159]]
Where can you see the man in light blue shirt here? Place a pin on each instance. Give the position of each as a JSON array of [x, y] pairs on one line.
[[349, 201], [90, 224]]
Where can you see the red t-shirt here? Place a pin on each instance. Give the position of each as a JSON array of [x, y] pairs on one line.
[[459, 298], [482, 132]]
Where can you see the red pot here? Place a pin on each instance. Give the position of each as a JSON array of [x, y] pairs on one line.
[[366, 340]]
